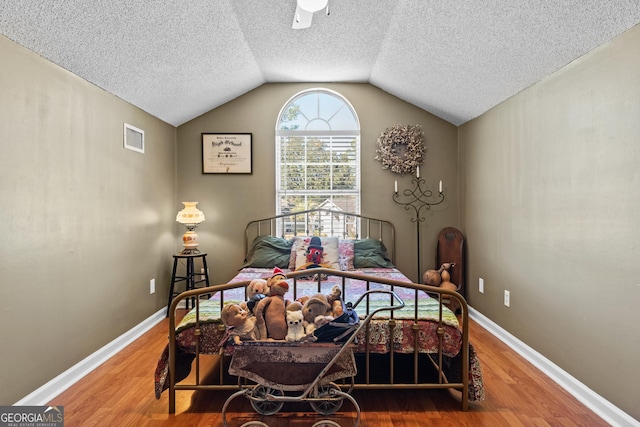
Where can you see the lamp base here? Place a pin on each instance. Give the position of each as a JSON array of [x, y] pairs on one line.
[[190, 251], [190, 242]]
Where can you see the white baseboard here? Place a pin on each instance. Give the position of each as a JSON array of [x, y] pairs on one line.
[[603, 408], [53, 388]]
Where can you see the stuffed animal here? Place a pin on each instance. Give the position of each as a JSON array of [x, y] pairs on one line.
[[335, 304], [240, 326], [317, 322], [315, 251], [270, 312], [316, 305], [295, 306], [256, 290], [277, 276], [303, 299], [295, 330]]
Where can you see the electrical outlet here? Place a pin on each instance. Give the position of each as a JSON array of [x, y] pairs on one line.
[[152, 286], [481, 285], [507, 298], [202, 273]]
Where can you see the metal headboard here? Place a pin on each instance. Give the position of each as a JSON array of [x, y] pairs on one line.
[[324, 222]]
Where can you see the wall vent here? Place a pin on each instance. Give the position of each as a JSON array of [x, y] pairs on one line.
[[133, 138]]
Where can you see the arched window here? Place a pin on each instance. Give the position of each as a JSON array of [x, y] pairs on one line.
[[317, 153]]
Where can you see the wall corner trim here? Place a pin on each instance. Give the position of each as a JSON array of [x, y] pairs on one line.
[[602, 407], [57, 385]]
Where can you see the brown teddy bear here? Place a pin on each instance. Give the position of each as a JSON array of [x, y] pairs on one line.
[[316, 305], [295, 306], [240, 325], [270, 312], [257, 289]]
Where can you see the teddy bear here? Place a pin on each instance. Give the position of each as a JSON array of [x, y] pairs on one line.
[[240, 325], [295, 305], [256, 290], [315, 306], [318, 322], [295, 329], [270, 311]]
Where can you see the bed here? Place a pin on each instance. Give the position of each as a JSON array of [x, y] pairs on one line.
[[423, 346]]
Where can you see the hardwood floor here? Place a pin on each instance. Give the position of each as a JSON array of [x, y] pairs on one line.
[[120, 392]]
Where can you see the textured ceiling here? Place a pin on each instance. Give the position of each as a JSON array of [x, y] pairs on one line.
[[177, 59]]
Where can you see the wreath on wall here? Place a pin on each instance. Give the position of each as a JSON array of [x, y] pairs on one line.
[[400, 148]]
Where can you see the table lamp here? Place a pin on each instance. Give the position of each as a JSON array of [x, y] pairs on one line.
[[190, 216]]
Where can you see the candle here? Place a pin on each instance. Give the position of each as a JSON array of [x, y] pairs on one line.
[[440, 187], [418, 172], [395, 187]]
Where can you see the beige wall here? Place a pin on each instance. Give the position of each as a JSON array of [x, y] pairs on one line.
[[550, 187], [85, 223], [230, 201]]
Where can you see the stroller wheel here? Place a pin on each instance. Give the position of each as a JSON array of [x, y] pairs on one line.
[[326, 423], [260, 402], [330, 406]]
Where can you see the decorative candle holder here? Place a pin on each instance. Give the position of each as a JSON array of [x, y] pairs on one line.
[[418, 199]]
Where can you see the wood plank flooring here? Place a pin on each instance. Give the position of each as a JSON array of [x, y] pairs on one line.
[[121, 393]]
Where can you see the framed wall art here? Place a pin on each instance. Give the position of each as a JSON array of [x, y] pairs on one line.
[[227, 153]]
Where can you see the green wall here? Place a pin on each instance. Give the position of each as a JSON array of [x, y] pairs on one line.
[[550, 206], [231, 201], [86, 224]]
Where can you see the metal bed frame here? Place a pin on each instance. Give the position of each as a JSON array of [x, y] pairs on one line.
[[370, 228]]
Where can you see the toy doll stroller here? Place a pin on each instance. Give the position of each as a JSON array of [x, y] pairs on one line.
[[309, 368]]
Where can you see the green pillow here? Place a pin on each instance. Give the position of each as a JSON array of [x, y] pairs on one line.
[[268, 252], [370, 253]]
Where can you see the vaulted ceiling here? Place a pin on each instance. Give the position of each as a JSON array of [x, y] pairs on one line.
[[177, 59]]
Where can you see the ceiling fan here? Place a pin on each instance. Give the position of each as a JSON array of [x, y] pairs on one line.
[[305, 10]]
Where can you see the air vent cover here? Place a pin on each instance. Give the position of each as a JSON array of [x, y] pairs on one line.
[[133, 138]]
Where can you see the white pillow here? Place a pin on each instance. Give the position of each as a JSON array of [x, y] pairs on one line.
[[329, 253]]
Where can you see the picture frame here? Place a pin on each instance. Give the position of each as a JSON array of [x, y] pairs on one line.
[[227, 153]]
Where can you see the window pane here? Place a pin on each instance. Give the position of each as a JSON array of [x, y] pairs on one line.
[[344, 177], [343, 150], [315, 201], [292, 150], [319, 177], [290, 118], [346, 202], [292, 177], [318, 150], [292, 203]]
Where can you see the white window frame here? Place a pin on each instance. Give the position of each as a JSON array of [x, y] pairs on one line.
[[330, 135]]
